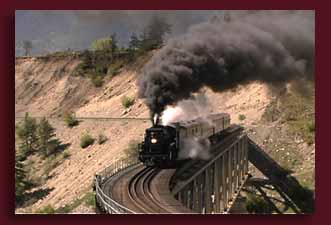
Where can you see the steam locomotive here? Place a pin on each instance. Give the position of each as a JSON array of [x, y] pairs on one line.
[[161, 144]]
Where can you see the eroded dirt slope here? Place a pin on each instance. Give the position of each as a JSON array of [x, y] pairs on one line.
[[48, 88]]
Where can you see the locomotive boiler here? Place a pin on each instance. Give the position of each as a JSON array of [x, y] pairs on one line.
[[162, 144]]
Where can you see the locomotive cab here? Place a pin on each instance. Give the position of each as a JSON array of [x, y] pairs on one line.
[[159, 147]]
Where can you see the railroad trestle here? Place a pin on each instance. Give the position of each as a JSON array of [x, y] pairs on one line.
[[215, 186], [211, 189]]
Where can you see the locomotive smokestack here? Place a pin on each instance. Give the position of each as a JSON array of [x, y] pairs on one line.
[[273, 47], [155, 119]]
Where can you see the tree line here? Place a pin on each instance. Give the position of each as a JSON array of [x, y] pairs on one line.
[[33, 138], [107, 57], [151, 37]]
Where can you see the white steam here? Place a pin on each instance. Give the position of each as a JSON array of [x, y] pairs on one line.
[[194, 148], [186, 110]]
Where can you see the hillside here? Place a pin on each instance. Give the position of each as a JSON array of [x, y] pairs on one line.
[[48, 87]]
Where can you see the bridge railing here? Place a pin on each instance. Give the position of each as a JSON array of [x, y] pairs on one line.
[[105, 202], [213, 188]]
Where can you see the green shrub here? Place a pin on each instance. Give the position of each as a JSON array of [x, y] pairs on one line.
[[103, 44], [86, 140], [311, 126], [20, 157], [64, 209], [242, 117], [70, 119], [97, 81], [67, 208], [127, 101], [89, 199], [66, 154], [101, 69], [102, 139], [114, 71], [115, 68], [256, 204], [46, 210]]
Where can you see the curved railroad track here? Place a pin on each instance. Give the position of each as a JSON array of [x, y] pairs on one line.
[[143, 190], [140, 192], [140, 189]]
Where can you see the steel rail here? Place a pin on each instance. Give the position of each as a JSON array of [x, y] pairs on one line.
[[106, 203], [139, 194], [133, 193]]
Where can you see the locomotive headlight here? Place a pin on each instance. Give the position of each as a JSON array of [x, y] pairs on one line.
[[153, 140]]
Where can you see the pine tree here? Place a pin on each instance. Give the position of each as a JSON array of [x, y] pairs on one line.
[[134, 43], [114, 46], [26, 132], [134, 47], [20, 179], [87, 60], [46, 142], [144, 44], [156, 30]]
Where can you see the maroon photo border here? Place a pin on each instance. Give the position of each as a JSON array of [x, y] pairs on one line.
[[7, 111]]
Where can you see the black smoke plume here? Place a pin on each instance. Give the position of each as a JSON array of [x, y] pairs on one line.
[[269, 46]]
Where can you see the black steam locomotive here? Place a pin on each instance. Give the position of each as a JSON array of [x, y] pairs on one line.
[[162, 143]]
